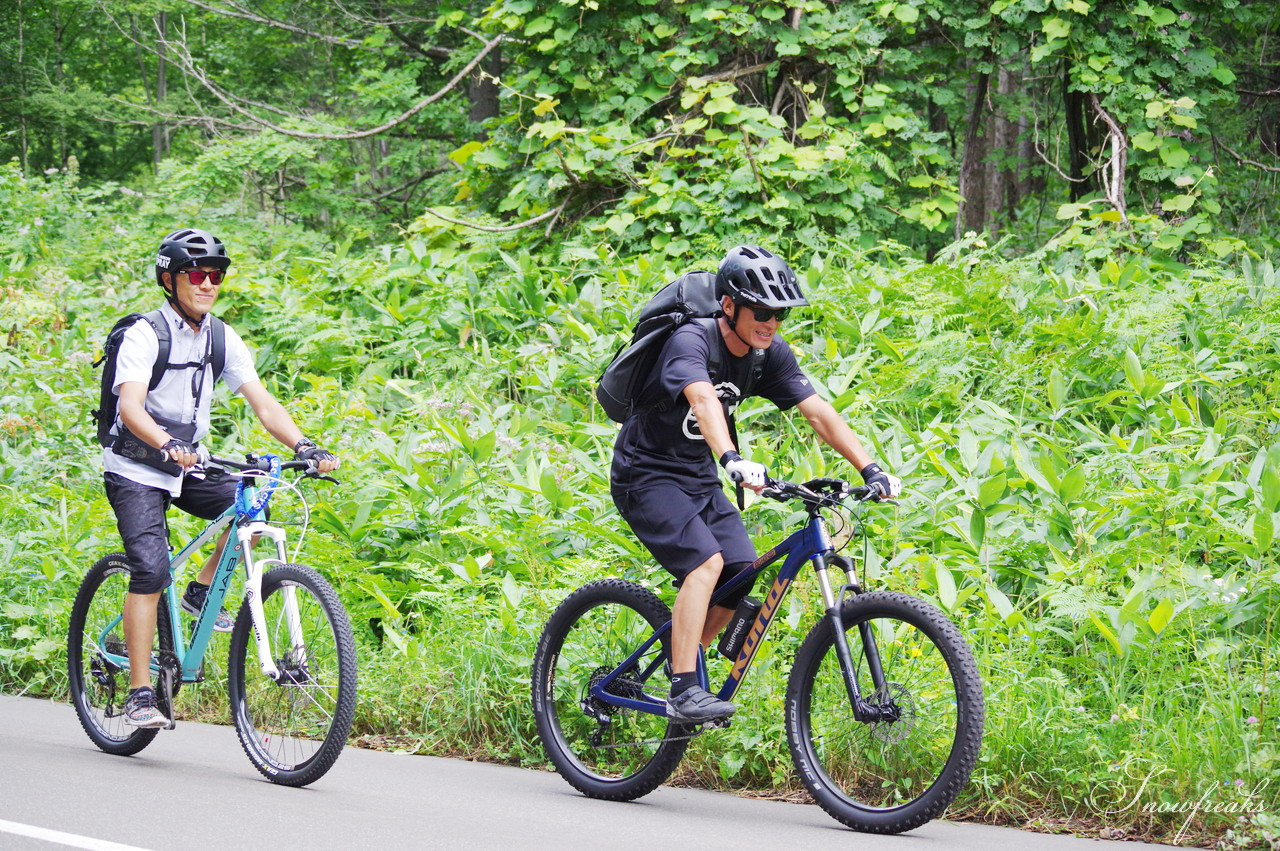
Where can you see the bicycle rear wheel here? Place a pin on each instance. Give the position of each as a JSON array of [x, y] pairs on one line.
[[891, 775], [98, 686], [294, 728], [603, 751]]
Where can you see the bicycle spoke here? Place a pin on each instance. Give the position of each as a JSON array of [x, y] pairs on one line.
[[294, 726]]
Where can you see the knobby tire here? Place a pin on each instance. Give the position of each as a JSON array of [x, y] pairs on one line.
[[98, 688], [893, 775], [294, 729], [593, 631]]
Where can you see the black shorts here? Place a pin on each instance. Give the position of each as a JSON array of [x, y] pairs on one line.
[[140, 513], [682, 530]]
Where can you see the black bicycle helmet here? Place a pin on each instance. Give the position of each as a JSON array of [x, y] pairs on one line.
[[757, 277], [189, 247]]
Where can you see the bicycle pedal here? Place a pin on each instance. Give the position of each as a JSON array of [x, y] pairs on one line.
[[717, 724]]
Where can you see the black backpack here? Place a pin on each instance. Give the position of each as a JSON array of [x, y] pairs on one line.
[[691, 297], [108, 401]]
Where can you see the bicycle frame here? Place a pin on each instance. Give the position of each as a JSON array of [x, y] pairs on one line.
[[809, 543], [190, 655]]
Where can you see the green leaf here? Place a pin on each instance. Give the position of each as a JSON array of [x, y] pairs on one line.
[[1057, 389], [946, 584], [1133, 371], [1264, 531], [1178, 203], [1161, 615], [990, 492], [1163, 17], [512, 591], [1173, 154], [1071, 484], [1056, 28], [906, 14], [977, 528], [999, 601], [1107, 634], [1146, 141], [968, 446]]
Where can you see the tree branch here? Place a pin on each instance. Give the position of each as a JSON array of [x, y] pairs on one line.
[[491, 229], [734, 73], [1113, 182], [428, 52], [1218, 143], [236, 11], [235, 103]]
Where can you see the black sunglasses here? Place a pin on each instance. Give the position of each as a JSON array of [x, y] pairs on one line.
[[764, 314]]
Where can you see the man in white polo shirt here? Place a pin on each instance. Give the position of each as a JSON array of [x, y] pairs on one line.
[[152, 460]]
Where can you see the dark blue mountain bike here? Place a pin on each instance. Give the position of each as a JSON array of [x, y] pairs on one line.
[[292, 673], [884, 706]]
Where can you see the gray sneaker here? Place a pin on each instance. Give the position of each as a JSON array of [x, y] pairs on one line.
[[140, 709], [193, 602], [696, 705]]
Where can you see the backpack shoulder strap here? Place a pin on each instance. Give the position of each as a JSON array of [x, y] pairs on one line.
[[757, 369], [219, 360], [712, 329], [165, 341]]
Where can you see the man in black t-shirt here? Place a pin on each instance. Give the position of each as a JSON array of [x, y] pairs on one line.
[[664, 480]]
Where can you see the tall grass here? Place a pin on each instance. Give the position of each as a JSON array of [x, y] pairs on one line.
[[1089, 450]]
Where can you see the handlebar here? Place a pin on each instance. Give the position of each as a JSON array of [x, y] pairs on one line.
[[817, 493], [255, 466]]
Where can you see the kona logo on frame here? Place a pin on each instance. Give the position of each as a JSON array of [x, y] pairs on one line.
[[749, 646]]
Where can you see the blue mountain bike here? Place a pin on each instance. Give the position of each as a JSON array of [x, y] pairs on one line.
[[884, 706], [292, 672]]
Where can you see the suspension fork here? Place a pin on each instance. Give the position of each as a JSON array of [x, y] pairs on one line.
[[254, 569], [862, 710]]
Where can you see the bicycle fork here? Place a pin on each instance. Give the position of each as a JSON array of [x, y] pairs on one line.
[[863, 710], [254, 569]]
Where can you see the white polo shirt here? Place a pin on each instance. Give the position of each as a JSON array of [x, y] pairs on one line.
[[173, 397]]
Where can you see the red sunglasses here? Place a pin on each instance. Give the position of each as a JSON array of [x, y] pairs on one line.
[[198, 276]]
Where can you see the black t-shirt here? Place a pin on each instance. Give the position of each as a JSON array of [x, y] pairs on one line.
[[663, 443]]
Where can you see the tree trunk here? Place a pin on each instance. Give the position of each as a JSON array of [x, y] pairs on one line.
[[160, 130], [59, 76], [1077, 137], [483, 89], [1004, 140], [22, 95], [974, 200]]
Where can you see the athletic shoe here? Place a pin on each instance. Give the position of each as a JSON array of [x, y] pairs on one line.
[[140, 709], [696, 705], [193, 602]]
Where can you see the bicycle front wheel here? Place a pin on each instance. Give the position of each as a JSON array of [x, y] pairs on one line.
[[99, 686], [903, 770], [294, 727], [602, 750]]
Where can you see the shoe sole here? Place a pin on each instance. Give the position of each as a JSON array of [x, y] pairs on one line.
[[673, 715], [196, 613], [148, 725]]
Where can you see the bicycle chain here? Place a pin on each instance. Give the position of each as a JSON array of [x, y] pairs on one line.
[[693, 735]]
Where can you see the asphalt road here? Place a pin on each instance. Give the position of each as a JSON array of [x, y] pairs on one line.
[[194, 788]]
